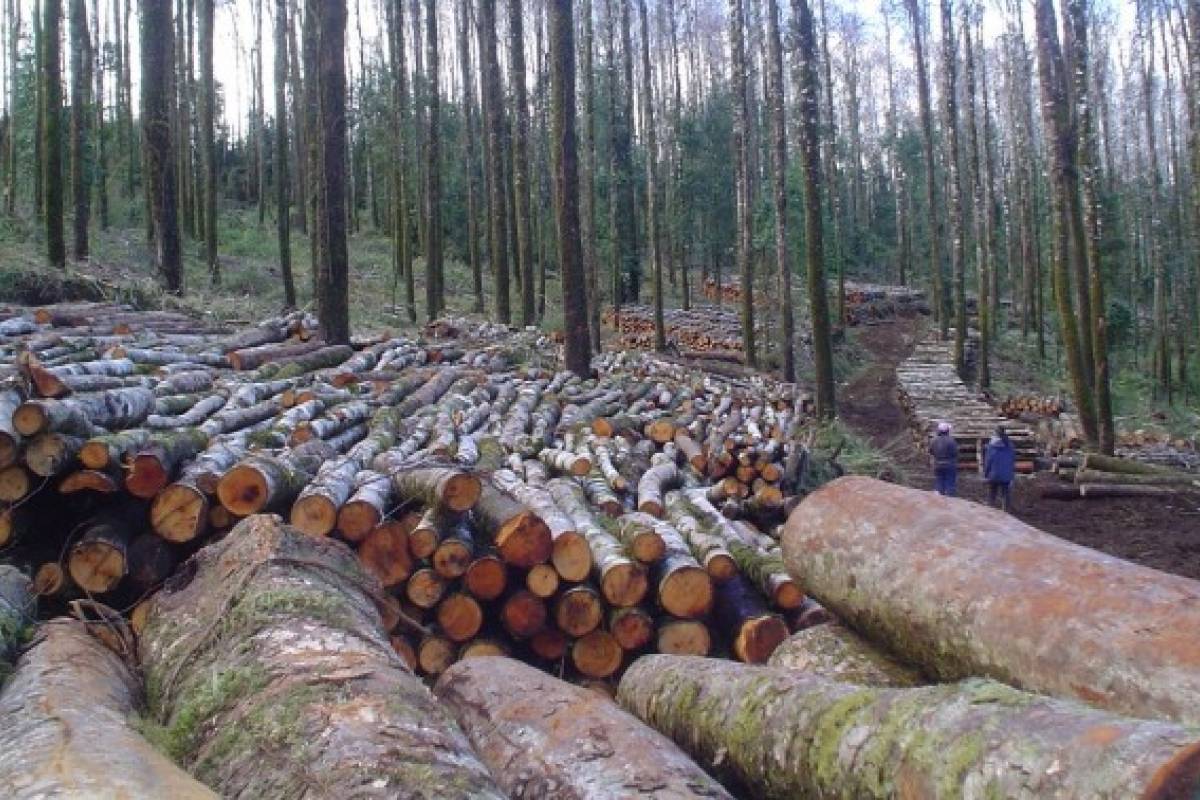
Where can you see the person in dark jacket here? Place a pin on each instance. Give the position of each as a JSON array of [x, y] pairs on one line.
[[999, 468], [943, 451]]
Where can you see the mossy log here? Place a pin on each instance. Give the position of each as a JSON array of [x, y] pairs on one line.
[[1101, 463], [66, 725], [838, 653], [269, 666], [304, 363], [683, 587], [85, 414], [777, 733], [542, 737], [159, 459], [18, 608], [622, 581], [944, 584], [195, 414], [565, 461], [268, 483], [640, 537], [708, 548], [1178, 479], [113, 449]]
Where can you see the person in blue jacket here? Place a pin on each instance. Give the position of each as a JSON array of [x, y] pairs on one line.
[[1000, 467], [943, 451]]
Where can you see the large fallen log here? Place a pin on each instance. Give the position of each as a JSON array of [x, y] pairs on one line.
[[65, 725], [834, 651], [17, 608], [777, 733], [945, 584], [542, 737], [268, 663]]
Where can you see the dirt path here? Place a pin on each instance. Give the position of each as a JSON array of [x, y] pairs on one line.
[[1160, 534]]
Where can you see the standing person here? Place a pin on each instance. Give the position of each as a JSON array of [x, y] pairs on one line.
[[1000, 467], [943, 452]]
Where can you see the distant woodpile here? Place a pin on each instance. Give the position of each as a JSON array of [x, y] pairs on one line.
[[1020, 406], [709, 332], [869, 304]]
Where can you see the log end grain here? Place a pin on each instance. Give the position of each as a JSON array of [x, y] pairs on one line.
[[686, 592], [179, 513], [597, 655]]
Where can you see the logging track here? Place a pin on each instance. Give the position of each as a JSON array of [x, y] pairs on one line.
[[1150, 531]]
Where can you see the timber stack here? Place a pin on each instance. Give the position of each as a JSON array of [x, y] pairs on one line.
[[1030, 407], [1092, 475], [504, 508], [723, 292], [871, 304], [705, 332], [930, 391]]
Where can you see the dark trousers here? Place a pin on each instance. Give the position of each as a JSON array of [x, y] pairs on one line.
[[946, 481], [1004, 490]]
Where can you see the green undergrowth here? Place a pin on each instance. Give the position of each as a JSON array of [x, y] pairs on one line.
[[835, 442]]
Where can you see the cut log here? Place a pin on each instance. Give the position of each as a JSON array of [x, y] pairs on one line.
[[69, 692], [597, 655], [451, 489], [486, 578], [684, 588], [840, 654], [632, 627], [753, 631], [683, 637], [1179, 479], [455, 551], [159, 459], [435, 654], [151, 561], [809, 615], [425, 589], [99, 560], [655, 483], [254, 357], [50, 454], [538, 735], [569, 552], [641, 539], [521, 537], [15, 483], [897, 564], [298, 681], [543, 580], [367, 506], [550, 645], [112, 449], [622, 581], [10, 439], [460, 617], [1102, 463], [15, 523], [83, 414], [384, 552], [578, 611], [523, 614], [482, 648], [809, 736], [265, 483]]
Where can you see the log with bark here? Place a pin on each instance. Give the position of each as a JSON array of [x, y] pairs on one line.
[[268, 662], [838, 653], [778, 733], [944, 584], [542, 737], [67, 725], [18, 608]]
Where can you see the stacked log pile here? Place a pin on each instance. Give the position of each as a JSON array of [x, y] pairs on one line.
[[710, 332], [724, 292], [1092, 475], [505, 509], [930, 392], [1030, 406], [871, 304]]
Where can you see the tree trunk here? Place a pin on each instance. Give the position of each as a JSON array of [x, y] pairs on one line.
[[520, 156], [949, 69], [50, 39], [282, 179], [493, 106], [809, 735], [587, 175], [779, 165], [538, 734], [741, 155], [434, 299], [333, 269], [814, 249], [158, 58], [266, 716], [1094, 628], [68, 683], [208, 144], [81, 173], [465, 11], [576, 313]]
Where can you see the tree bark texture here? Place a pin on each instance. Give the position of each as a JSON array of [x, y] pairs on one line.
[[267, 662], [775, 733]]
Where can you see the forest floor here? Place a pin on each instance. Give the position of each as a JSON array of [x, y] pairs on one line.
[[1160, 534]]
